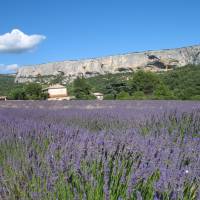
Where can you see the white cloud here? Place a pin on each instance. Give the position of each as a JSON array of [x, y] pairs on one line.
[[12, 67], [17, 42], [9, 68]]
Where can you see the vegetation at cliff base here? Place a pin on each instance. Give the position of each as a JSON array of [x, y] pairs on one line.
[[6, 84], [182, 83], [81, 89], [30, 91], [178, 84]]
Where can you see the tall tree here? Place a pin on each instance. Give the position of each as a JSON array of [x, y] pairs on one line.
[[144, 81], [81, 89]]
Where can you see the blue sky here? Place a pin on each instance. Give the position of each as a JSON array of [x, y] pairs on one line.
[[75, 29]]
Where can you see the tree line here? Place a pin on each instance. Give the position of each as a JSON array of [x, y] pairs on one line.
[[179, 84]]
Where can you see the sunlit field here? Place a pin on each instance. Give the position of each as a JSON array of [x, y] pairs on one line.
[[98, 150]]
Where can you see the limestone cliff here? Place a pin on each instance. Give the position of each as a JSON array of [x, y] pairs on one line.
[[148, 60]]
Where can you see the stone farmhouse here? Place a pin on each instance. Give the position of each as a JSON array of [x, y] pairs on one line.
[[57, 92], [3, 98]]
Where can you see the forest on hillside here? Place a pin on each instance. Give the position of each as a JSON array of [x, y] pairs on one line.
[[179, 84]]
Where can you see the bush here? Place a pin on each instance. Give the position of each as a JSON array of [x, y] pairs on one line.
[[145, 82], [17, 94], [123, 96], [196, 97], [81, 89], [184, 81], [109, 97], [163, 92], [139, 95], [31, 91]]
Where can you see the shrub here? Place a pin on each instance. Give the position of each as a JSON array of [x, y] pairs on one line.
[[81, 89], [144, 81], [123, 95]]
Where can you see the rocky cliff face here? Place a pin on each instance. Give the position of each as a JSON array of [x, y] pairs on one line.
[[148, 60]]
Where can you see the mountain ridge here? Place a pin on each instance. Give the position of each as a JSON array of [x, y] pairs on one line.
[[150, 60]]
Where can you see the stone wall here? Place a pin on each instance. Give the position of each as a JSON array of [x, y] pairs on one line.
[[58, 92]]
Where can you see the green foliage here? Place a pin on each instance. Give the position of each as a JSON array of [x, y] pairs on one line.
[[109, 97], [17, 94], [7, 82], [99, 83], [70, 184], [146, 188], [181, 83], [81, 89], [123, 95], [58, 78], [184, 82], [196, 97], [144, 81], [33, 91], [30, 91], [139, 95], [114, 85], [163, 92], [115, 88]]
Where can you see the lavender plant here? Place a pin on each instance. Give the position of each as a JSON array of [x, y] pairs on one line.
[[90, 150]]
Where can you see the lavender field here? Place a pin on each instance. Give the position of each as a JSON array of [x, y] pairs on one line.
[[96, 150]]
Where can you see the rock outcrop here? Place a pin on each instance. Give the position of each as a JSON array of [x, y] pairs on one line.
[[148, 60]]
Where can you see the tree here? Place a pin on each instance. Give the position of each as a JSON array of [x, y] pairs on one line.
[[17, 94], [33, 91], [183, 81], [59, 78], [163, 92], [123, 95], [139, 95], [81, 89], [144, 81], [108, 97], [114, 86], [196, 97]]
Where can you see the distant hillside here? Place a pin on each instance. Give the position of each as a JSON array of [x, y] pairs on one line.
[[181, 83], [184, 82], [155, 61]]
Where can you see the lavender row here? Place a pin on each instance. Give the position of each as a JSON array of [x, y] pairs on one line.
[[115, 153]]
